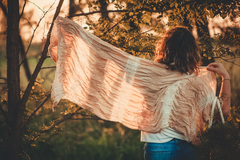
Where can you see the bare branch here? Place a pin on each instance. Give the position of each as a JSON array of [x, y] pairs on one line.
[[86, 118], [30, 43], [40, 62], [25, 1], [121, 11], [227, 56], [143, 51], [230, 61], [140, 34], [112, 27], [25, 155], [67, 117], [29, 23], [101, 11], [53, 125], [89, 20], [5, 79], [34, 112], [48, 67]]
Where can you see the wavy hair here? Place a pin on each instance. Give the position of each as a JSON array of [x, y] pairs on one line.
[[178, 50]]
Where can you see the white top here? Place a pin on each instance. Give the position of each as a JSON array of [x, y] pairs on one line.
[[167, 134]]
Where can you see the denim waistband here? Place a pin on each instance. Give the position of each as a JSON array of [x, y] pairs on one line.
[[174, 144], [174, 140], [174, 149]]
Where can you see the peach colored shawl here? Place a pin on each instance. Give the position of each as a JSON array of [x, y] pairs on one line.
[[117, 86]]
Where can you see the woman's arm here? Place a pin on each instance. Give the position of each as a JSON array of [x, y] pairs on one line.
[[225, 92]]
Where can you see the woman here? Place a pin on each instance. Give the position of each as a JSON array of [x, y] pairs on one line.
[[169, 101], [179, 51]]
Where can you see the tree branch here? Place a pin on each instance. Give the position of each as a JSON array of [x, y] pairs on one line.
[[139, 34], [111, 11], [48, 67], [86, 118], [28, 23], [111, 27], [40, 62], [25, 1], [126, 10], [89, 20], [30, 43], [143, 51], [22, 50], [53, 125], [5, 79], [34, 112], [230, 61], [67, 117]]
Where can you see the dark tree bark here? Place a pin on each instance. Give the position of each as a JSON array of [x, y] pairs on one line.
[[13, 146], [16, 106], [103, 7], [22, 48]]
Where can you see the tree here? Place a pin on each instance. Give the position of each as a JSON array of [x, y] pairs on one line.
[[14, 130], [135, 14], [134, 26], [14, 116]]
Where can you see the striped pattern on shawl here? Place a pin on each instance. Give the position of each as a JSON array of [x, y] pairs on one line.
[[117, 86]]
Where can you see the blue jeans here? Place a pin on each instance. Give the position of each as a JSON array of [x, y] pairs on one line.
[[173, 150]]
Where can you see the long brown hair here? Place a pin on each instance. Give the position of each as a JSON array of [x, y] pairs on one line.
[[178, 50]]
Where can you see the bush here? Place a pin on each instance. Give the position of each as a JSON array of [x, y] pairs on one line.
[[220, 142]]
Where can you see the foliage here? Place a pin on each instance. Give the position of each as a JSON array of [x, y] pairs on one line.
[[136, 30], [97, 140], [220, 142], [69, 134]]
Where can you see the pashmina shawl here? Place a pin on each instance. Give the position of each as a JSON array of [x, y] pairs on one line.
[[116, 86]]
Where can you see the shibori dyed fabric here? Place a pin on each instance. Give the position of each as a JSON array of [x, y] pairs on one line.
[[116, 86]]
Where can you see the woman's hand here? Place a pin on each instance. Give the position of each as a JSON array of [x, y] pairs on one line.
[[219, 69], [225, 92]]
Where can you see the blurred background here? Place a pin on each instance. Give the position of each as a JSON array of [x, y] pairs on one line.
[[134, 26]]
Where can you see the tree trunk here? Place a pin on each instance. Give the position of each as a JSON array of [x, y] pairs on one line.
[[22, 48], [13, 146]]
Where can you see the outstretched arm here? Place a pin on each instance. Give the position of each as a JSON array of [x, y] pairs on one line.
[[225, 92]]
